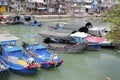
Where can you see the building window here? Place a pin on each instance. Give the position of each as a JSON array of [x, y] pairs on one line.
[[2, 2]]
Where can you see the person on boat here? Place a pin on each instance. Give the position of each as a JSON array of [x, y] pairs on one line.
[[53, 57], [84, 29], [89, 25], [31, 62]]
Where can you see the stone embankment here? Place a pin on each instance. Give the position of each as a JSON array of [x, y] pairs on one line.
[[63, 16], [51, 16], [58, 16]]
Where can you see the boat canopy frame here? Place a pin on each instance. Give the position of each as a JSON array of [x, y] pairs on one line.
[[54, 34]]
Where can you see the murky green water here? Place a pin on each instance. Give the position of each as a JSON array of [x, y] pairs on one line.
[[87, 65]]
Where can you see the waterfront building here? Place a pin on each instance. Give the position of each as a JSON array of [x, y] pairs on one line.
[[74, 7], [88, 6], [3, 6], [79, 7], [46, 7], [51, 7], [54, 7], [17, 6], [34, 6]]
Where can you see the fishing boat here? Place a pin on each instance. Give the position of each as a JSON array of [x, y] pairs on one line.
[[93, 31], [59, 25], [3, 20], [13, 20], [100, 40], [94, 43], [100, 35], [3, 69], [72, 26], [40, 54], [92, 46], [97, 31], [31, 21], [65, 42], [14, 56]]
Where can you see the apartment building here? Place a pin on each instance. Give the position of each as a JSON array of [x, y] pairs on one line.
[[46, 6], [54, 7], [107, 3]]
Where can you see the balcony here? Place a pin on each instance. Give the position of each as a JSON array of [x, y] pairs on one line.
[[87, 1]]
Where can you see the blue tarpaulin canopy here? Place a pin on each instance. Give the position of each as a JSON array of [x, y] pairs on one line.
[[11, 48]]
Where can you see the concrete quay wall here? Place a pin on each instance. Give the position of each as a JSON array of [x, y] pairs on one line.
[[51, 16], [63, 16]]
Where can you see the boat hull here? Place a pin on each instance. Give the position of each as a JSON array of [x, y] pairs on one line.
[[3, 69], [55, 64], [51, 65], [25, 71], [3, 74], [107, 45], [93, 47], [19, 69], [65, 47]]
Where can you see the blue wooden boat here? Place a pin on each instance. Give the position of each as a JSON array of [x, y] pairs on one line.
[[35, 23], [56, 27], [31, 21], [40, 54], [45, 58], [93, 46], [3, 69], [14, 56], [13, 20]]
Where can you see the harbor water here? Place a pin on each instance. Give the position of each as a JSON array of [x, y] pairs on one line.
[[86, 65]]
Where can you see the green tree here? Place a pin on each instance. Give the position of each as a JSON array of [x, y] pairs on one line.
[[114, 18]]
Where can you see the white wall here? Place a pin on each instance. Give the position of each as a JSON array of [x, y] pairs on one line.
[[40, 1]]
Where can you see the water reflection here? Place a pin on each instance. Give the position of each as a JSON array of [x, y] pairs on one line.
[[87, 65]]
